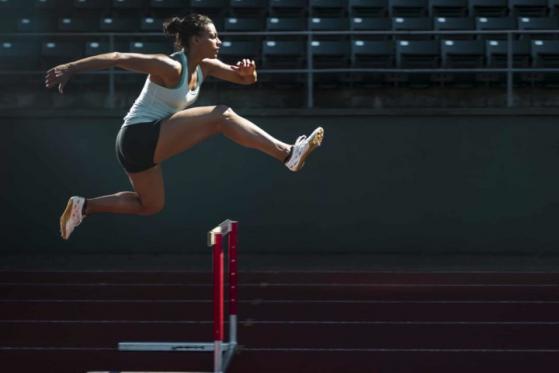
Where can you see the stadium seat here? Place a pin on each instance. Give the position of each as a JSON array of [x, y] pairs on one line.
[[368, 8], [47, 5], [11, 4], [77, 24], [529, 8], [496, 53], [207, 5], [412, 24], [455, 24], [328, 8], [495, 24], [57, 52], [92, 4], [119, 24], [168, 4], [496, 57], [539, 23], [488, 8], [36, 24], [129, 4], [232, 51], [408, 8], [286, 24], [371, 24], [463, 53], [14, 9], [215, 9], [93, 7], [448, 8], [330, 54], [283, 54], [417, 53], [329, 24], [286, 8], [244, 24], [8, 23], [372, 54], [97, 47], [7, 5], [554, 7], [545, 53], [150, 47], [19, 54], [243, 8], [151, 24], [276, 24]]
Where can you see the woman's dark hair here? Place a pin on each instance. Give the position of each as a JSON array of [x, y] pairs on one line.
[[182, 28]]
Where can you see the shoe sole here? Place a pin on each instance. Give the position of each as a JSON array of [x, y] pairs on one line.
[[315, 142], [64, 218]]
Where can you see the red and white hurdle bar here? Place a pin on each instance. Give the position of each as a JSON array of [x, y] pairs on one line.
[[223, 351]]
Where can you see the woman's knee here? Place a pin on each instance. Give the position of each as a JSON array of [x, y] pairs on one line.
[[224, 114], [152, 208]]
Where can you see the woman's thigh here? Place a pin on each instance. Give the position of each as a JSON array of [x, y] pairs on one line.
[[187, 128]]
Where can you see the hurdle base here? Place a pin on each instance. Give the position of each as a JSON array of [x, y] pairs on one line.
[[173, 346], [227, 349]]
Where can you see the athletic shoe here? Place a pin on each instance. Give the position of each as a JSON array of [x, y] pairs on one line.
[[72, 216], [302, 148]]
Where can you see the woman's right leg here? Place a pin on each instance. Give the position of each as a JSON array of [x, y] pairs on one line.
[[147, 198]]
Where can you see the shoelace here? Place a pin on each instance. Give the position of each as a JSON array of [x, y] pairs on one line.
[[300, 139]]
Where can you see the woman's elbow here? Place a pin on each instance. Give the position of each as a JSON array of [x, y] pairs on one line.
[[116, 57], [248, 80]]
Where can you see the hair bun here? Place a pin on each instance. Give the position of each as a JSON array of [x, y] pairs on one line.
[[171, 26]]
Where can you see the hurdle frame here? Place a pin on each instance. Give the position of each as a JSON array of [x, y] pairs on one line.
[[222, 351]]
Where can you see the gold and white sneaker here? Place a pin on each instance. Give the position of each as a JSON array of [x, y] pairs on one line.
[[72, 216], [302, 148]]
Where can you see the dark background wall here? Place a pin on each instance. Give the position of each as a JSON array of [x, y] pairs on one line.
[[380, 184]]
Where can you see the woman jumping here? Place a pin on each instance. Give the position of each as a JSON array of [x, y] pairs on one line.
[[161, 122]]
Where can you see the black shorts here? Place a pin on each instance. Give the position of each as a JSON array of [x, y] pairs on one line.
[[135, 145]]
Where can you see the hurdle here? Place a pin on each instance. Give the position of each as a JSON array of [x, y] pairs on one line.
[[222, 351]]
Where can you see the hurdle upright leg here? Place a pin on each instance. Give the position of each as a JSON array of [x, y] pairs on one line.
[[232, 239], [218, 301]]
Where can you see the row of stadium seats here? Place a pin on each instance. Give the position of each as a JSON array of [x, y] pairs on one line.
[[325, 54], [234, 24], [379, 8]]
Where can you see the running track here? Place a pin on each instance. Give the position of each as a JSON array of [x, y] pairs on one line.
[[288, 321]]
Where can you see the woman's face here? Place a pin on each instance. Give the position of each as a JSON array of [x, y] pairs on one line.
[[207, 43]]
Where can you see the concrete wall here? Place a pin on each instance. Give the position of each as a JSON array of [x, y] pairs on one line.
[[391, 184]]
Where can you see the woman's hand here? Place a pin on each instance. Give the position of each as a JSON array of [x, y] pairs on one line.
[[245, 67], [58, 76]]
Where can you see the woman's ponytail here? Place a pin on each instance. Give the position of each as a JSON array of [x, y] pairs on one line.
[[170, 26]]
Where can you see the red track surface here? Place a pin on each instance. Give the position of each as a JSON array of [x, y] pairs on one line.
[[288, 322]]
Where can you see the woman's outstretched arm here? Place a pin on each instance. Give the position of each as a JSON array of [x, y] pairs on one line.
[[163, 69]]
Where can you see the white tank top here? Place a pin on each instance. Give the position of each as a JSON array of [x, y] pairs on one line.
[[157, 102]]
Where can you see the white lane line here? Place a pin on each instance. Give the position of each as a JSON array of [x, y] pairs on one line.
[[443, 350], [251, 322], [281, 301], [309, 349], [283, 284], [280, 271]]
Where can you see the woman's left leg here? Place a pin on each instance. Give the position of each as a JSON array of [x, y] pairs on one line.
[[194, 125]]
